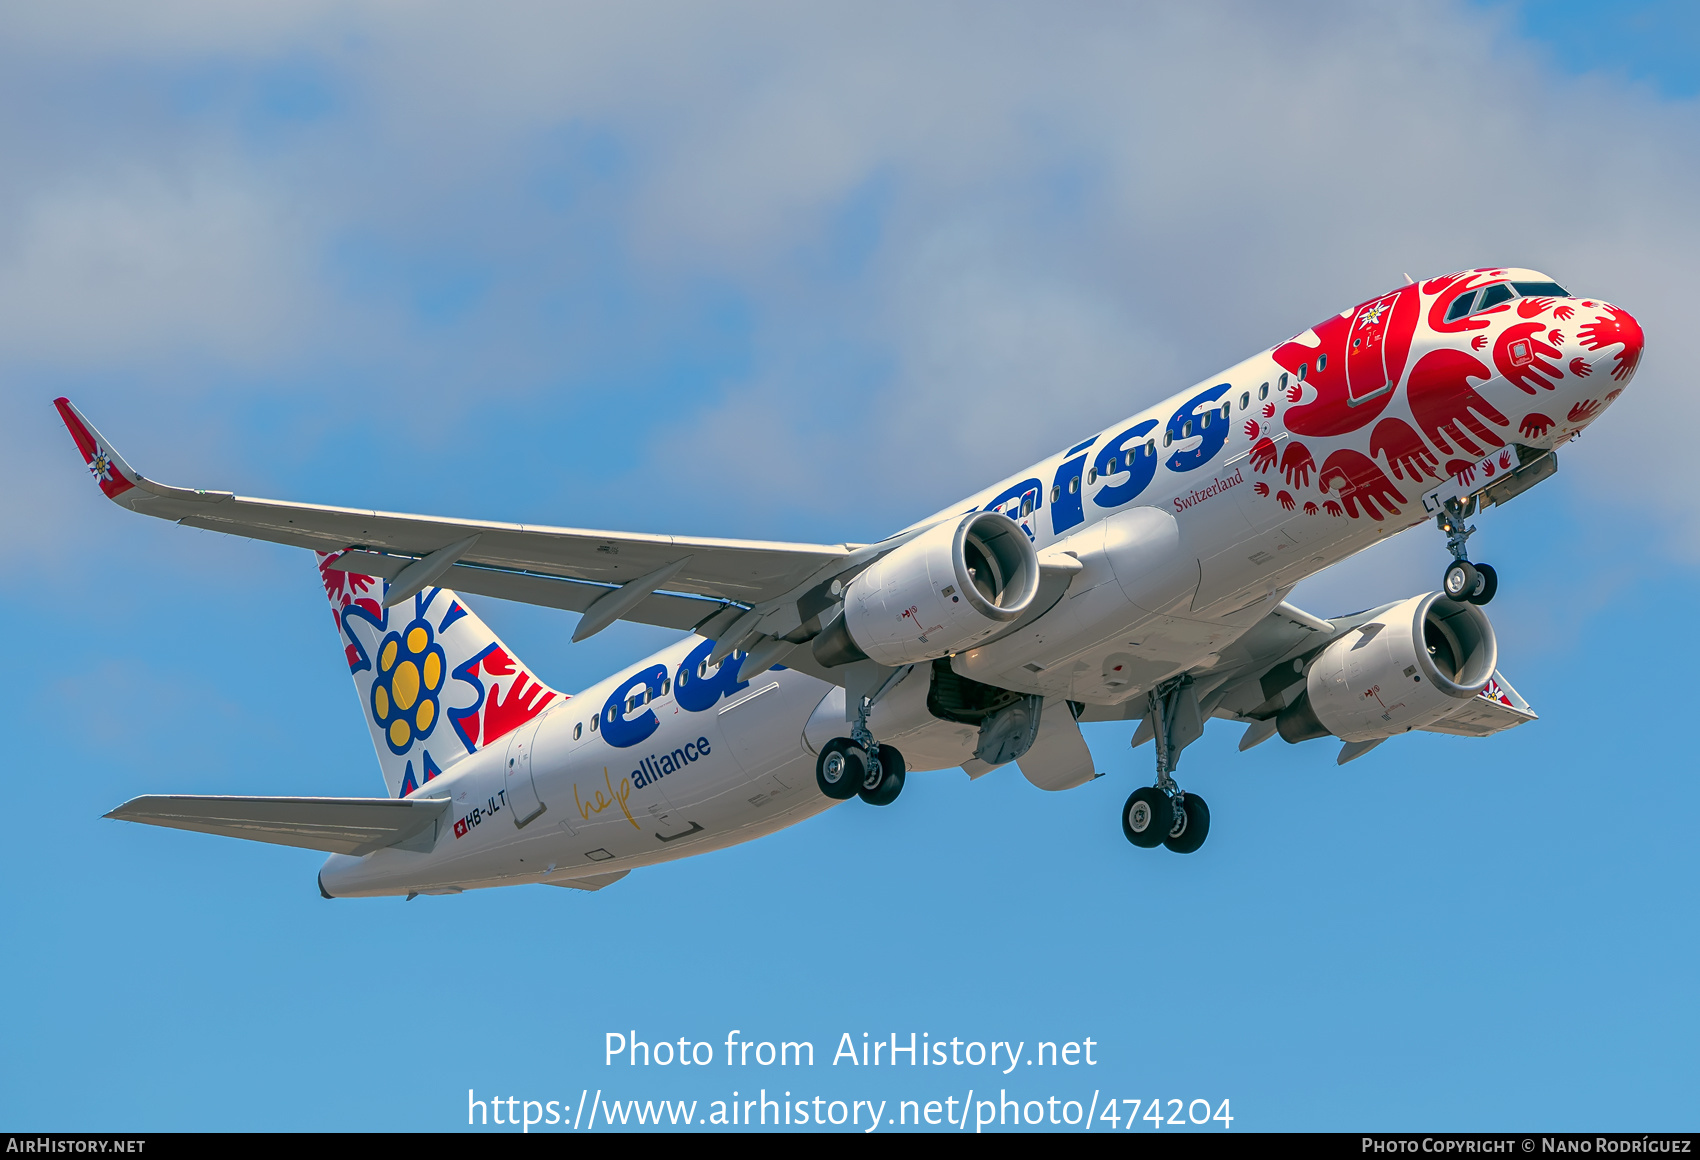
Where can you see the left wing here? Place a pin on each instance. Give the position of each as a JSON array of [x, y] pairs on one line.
[[673, 581]]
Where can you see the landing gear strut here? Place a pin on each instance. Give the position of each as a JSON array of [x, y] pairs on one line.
[[858, 765], [1164, 814], [1463, 580]]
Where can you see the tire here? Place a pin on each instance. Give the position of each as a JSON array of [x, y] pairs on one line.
[[1460, 580], [1191, 825], [889, 782], [1490, 584], [840, 768], [1147, 817]]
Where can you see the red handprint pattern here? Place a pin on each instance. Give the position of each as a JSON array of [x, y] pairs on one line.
[[1583, 411], [1263, 455], [1447, 407], [1521, 356], [1297, 464], [1408, 456], [1361, 484], [1285, 499], [1534, 425], [1616, 326]]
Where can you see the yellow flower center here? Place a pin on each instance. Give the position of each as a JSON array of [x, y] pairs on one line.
[[405, 685]]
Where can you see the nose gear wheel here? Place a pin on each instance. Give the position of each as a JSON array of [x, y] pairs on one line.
[[1463, 580]]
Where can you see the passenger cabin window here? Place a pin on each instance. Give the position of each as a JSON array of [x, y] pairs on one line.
[[1168, 438], [1304, 369], [1074, 485], [1091, 475], [1227, 408], [1186, 429], [1283, 382], [593, 722], [1056, 493], [666, 686], [1321, 363], [1245, 399], [1150, 447], [1263, 392], [578, 730]]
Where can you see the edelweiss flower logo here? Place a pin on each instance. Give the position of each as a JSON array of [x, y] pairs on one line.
[[101, 465], [411, 668], [1373, 315]]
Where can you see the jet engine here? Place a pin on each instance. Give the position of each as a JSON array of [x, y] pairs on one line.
[[946, 590], [1406, 668]]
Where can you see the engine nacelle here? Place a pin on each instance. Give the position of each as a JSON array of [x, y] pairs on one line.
[[1407, 668], [946, 590]]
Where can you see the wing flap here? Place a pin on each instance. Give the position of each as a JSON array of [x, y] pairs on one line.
[[1058, 759], [1495, 709], [335, 825], [666, 609], [591, 881]]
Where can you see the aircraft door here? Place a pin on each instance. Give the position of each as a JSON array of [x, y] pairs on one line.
[[522, 791]]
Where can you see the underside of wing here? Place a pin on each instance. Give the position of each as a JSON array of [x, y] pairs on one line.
[[335, 825], [1493, 710], [560, 567]]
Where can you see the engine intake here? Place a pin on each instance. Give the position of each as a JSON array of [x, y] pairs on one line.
[[1407, 668], [946, 590]]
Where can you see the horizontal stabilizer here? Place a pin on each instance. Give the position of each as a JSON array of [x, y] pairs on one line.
[[336, 825]]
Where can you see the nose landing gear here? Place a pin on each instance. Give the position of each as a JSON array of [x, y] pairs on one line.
[[1164, 814], [1463, 580]]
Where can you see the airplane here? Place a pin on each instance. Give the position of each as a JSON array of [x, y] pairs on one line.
[[1138, 575]]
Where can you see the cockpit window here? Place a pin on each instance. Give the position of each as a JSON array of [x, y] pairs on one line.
[[1494, 295], [1473, 300]]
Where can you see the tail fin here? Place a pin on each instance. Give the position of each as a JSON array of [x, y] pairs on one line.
[[435, 683]]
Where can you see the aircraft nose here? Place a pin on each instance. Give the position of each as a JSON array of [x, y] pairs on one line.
[[1611, 340]]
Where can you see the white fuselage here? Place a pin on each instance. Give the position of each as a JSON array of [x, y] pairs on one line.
[[1191, 519]]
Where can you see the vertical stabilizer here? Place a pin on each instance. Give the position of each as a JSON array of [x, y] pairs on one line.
[[435, 683]]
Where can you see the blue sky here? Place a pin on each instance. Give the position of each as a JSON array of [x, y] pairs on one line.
[[811, 276]]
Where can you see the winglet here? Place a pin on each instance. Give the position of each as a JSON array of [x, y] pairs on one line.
[[108, 467]]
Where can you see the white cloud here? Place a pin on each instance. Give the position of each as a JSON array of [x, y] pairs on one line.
[[964, 233]]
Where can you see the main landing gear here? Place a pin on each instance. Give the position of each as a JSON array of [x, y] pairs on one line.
[[845, 770], [1164, 814], [1463, 580], [858, 765]]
